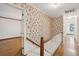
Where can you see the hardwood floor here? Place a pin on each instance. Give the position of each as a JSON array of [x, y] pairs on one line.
[[71, 47], [59, 51], [10, 46]]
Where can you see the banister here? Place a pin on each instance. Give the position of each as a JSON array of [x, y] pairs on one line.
[[41, 45], [33, 42]]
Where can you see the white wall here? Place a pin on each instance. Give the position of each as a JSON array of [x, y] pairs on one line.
[[70, 18], [9, 28], [9, 11]]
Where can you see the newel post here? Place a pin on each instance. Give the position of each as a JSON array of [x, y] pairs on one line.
[[42, 47]]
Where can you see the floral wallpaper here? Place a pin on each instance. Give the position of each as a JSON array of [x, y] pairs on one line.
[[57, 25], [37, 23]]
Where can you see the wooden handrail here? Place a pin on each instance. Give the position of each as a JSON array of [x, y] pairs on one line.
[[33, 42], [41, 45]]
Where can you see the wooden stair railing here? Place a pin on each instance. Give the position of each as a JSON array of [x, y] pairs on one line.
[[41, 45], [33, 42]]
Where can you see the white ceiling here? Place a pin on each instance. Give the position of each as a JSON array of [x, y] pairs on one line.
[[59, 11]]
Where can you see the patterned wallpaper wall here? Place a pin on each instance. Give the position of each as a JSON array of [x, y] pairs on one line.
[[37, 23], [57, 25]]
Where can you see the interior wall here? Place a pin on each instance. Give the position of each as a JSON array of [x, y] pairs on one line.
[[57, 25], [8, 27], [10, 30], [10, 46], [37, 23]]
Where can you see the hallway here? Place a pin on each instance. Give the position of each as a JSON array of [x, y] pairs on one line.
[[70, 47], [39, 29]]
